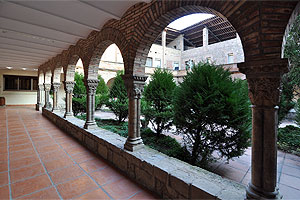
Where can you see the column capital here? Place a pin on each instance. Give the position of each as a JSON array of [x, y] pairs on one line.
[[135, 85], [69, 86], [92, 85], [55, 86], [41, 86], [47, 86]]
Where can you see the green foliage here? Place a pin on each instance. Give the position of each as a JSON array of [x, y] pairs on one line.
[[157, 104], [165, 144], [79, 91], [289, 139], [286, 97], [292, 47], [213, 113], [118, 101], [298, 112], [292, 52]]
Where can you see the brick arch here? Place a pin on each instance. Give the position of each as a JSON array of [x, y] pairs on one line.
[[260, 25], [41, 77], [69, 69], [47, 76], [106, 37]]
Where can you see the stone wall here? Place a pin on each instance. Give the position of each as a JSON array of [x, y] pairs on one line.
[[218, 52], [168, 177]]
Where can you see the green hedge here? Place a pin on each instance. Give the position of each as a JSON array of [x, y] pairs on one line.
[[289, 139]]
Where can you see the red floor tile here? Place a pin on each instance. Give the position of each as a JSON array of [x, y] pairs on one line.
[[32, 160], [76, 187], [64, 174], [4, 192], [3, 166], [58, 164], [3, 178], [43, 194], [107, 175], [21, 154], [26, 172], [92, 165], [95, 194], [30, 185], [122, 189]]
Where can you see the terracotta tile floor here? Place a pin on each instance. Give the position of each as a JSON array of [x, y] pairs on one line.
[[39, 161]]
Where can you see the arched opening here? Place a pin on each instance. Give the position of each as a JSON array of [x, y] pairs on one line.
[[106, 63]]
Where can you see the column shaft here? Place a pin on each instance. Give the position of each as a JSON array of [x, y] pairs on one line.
[[69, 86], [55, 97], [47, 95], [91, 86], [135, 87]]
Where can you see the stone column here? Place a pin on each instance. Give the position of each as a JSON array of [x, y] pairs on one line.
[[135, 87], [47, 87], [39, 96], [264, 83], [69, 86], [55, 89], [91, 87]]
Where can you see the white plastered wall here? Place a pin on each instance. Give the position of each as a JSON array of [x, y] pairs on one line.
[[17, 97]]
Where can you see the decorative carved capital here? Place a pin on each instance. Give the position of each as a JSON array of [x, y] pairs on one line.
[[69, 86], [264, 91], [92, 85], [41, 87], [47, 86], [134, 85], [55, 86]]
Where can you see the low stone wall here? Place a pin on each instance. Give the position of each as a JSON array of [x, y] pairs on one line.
[[168, 177]]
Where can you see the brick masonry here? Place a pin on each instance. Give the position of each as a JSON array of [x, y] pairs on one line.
[[260, 24], [168, 177]]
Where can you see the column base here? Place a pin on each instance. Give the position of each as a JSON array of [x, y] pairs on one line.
[[38, 107], [68, 114], [90, 125], [253, 192], [133, 144], [55, 110]]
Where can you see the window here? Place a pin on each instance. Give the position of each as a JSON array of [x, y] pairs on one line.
[[230, 58], [157, 63], [20, 83], [149, 62], [176, 65], [189, 64]]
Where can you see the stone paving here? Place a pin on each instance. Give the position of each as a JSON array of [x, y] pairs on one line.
[[238, 169], [39, 161]]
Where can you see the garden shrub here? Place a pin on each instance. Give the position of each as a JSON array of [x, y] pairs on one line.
[[79, 94], [212, 111], [118, 100], [289, 139], [158, 94]]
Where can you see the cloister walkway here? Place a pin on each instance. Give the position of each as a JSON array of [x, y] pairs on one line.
[[39, 161]]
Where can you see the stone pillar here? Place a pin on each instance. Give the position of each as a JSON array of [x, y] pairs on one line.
[[205, 37], [91, 87], [69, 86], [163, 44], [47, 87], [135, 87], [39, 97], [264, 82], [55, 90]]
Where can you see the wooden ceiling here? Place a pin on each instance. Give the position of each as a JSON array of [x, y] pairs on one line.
[[219, 30]]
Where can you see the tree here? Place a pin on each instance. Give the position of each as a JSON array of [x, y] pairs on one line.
[[101, 93], [158, 97], [298, 112], [212, 111], [118, 100]]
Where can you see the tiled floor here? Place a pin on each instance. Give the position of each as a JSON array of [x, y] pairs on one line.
[[288, 176], [39, 161]]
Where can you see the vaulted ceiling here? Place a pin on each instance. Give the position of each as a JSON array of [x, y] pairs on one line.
[[31, 32]]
